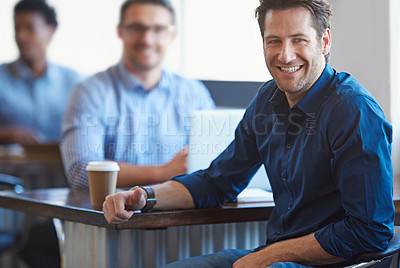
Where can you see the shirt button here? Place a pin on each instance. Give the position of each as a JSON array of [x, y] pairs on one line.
[[284, 177], [277, 233], [288, 146]]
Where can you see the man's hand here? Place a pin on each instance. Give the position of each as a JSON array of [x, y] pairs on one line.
[[303, 250], [178, 164], [13, 134], [119, 207], [256, 259], [144, 175]]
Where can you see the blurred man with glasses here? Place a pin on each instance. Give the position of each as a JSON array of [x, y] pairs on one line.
[[135, 112]]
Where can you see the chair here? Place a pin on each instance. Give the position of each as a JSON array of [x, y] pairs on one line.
[[8, 239], [375, 258]]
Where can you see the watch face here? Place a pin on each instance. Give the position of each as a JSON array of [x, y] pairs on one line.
[[134, 188]]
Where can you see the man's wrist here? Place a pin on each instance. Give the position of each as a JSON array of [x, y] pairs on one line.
[[150, 197], [159, 172]]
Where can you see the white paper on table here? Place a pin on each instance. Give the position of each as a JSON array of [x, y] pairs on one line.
[[249, 195]]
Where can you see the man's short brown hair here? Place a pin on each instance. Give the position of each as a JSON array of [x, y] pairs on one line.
[[165, 3], [321, 13]]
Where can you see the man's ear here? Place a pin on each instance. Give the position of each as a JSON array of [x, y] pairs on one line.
[[326, 41], [173, 35], [119, 33], [51, 30]]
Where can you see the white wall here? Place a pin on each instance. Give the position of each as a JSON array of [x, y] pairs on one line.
[[366, 44], [8, 50], [360, 33], [395, 80], [366, 38], [213, 42], [222, 41]]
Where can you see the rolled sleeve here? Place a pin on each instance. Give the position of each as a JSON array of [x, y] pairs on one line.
[[361, 164], [83, 135]]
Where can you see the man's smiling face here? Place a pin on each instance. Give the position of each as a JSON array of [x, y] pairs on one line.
[[293, 52]]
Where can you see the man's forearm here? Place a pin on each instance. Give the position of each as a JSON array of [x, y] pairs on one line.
[[132, 175], [302, 250], [13, 134], [172, 195]]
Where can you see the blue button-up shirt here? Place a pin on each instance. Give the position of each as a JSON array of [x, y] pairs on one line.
[[328, 161], [112, 116], [35, 103]]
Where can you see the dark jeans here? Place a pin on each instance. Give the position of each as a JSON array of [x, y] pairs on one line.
[[41, 249], [223, 259]]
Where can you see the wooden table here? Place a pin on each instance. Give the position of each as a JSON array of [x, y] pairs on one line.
[[35, 154], [74, 205], [145, 240], [40, 166]]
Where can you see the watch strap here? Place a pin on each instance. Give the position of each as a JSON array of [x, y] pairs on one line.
[[151, 200]]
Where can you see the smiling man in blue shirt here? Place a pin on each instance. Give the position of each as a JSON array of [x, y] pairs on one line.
[[324, 141], [135, 112]]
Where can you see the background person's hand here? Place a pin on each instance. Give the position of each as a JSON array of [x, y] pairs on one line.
[[178, 164], [119, 207], [20, 135]]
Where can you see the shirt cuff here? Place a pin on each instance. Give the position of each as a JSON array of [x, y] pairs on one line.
[[202, 194], [350, 238]]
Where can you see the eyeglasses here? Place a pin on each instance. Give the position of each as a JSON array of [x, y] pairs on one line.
[[138, 29]]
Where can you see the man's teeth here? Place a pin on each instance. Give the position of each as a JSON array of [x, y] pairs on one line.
[[290, 69]]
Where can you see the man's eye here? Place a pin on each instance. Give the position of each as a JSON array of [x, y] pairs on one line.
[[299, 40], [271, 42], [159, 29], [136, 28]]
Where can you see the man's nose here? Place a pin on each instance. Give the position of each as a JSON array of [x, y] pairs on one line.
[[287, 53], [147, 36]]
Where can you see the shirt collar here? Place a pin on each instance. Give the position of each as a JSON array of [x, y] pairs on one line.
[[311, 103], [20, 70], [313, 100], [278, 97], [130, 82]]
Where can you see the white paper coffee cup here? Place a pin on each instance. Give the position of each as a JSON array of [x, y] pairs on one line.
[[102, 181]]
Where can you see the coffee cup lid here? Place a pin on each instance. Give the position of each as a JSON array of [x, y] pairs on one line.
[[102, 166]]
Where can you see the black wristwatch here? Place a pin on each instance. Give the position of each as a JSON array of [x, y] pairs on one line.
[[151, 200]]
